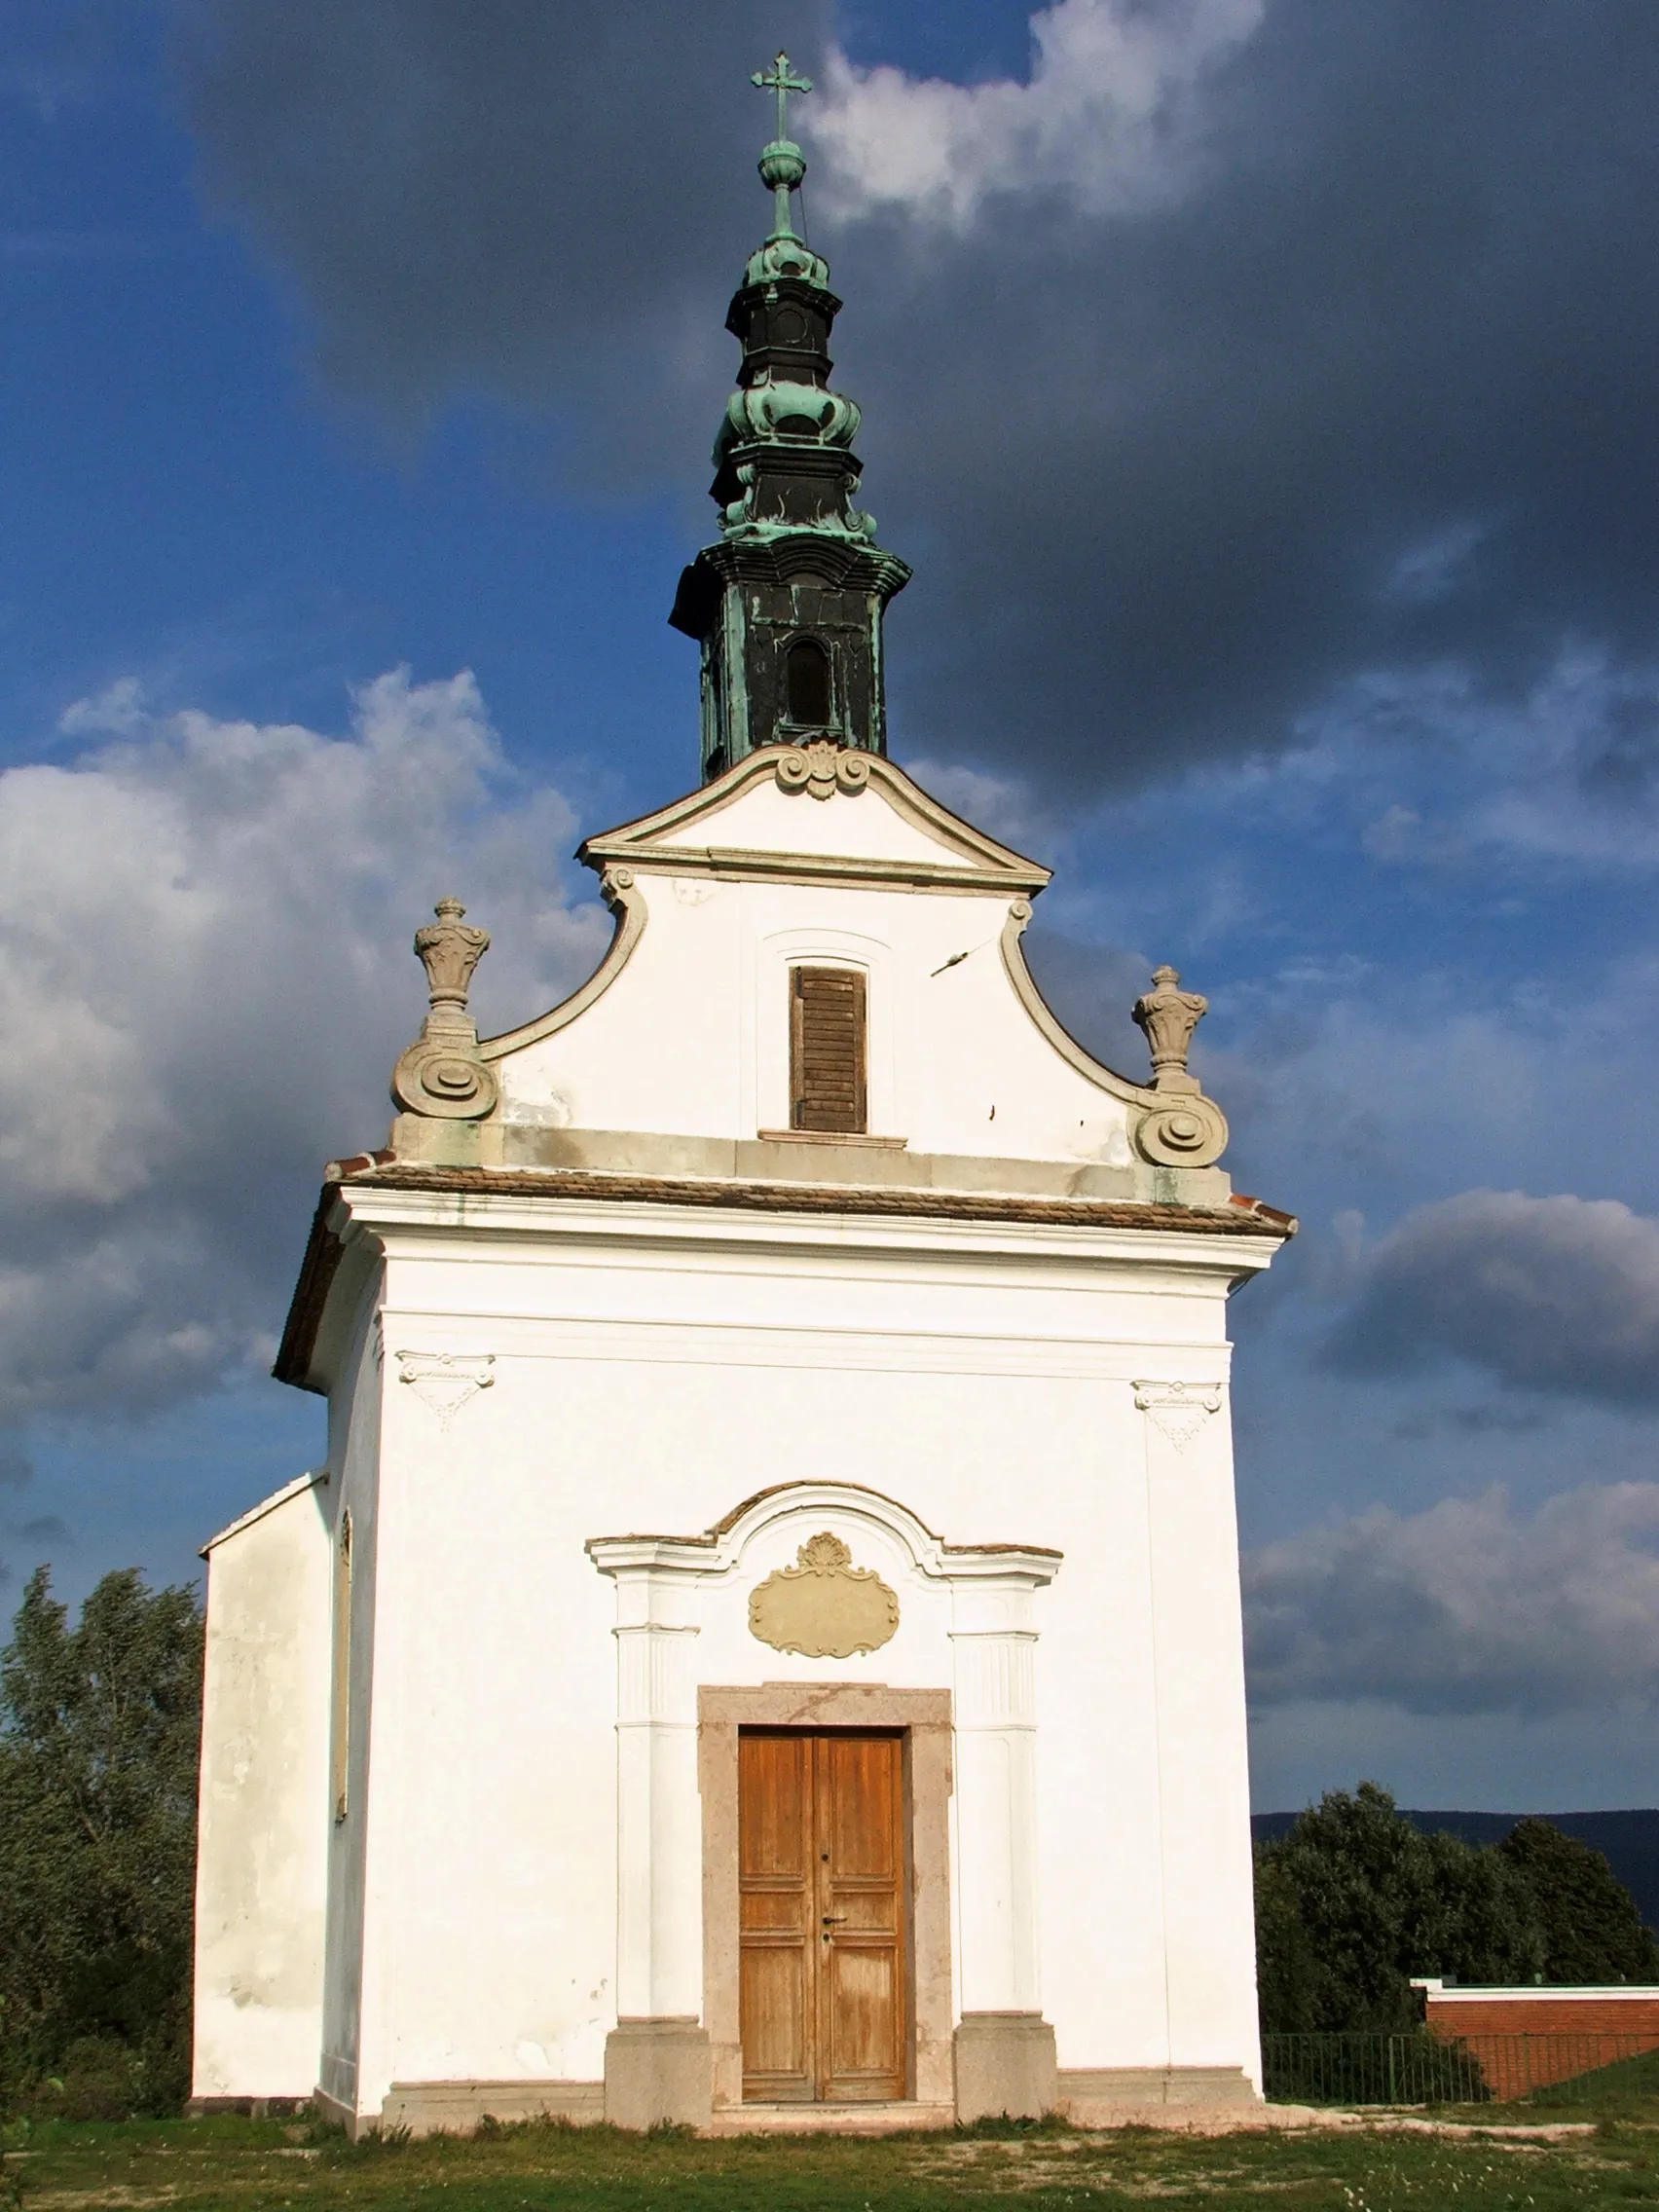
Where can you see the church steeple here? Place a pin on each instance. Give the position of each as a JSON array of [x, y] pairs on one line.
[[787, 604]]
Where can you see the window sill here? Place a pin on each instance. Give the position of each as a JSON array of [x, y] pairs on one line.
[[830, 1136]]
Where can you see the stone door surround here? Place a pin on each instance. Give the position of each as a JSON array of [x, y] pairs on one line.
[[924, 1715]]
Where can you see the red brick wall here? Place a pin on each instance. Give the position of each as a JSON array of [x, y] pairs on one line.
[[1526, 2043]]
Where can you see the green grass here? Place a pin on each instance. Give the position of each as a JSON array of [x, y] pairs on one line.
[[233, 2165], [1629, 2086]]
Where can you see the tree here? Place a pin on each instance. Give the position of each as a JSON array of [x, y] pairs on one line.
[[1351, 1898], [1487, 1930], [1354, 1903], [1589, 1926], [1291, 1990], [99, 1726]]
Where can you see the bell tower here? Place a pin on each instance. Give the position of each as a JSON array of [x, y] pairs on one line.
[[787, 604]]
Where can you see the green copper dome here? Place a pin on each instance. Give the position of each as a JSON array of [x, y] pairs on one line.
[[788, 605]]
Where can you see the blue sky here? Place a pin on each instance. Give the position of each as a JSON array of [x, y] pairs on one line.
[[1262, 395]]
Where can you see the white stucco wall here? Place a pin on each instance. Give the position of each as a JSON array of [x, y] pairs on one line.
[[648, 1371], [261, 1873]]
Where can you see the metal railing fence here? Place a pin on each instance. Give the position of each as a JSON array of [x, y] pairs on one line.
[[1425, 2069]]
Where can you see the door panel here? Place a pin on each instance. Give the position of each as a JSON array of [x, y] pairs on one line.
[[777, 1892], [861, 1865], [821, 1879], [861, 1809], [774, 2021], [861, 2018]]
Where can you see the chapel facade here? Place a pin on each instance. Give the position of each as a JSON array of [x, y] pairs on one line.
[[764, 1648]]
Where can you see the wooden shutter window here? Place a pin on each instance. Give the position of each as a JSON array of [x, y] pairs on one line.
[[827, 1049]]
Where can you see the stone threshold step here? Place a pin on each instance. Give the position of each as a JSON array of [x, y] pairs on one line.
[[829, 2120]]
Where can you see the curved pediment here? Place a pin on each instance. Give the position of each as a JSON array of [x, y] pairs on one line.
[[721, 1550], [817, 812]]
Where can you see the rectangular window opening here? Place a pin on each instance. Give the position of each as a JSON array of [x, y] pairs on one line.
[[827, 1052]]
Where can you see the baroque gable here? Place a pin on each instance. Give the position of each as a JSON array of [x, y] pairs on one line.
[[824, 859]]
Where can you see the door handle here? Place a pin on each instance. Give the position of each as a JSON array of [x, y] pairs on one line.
[[833, 1919]]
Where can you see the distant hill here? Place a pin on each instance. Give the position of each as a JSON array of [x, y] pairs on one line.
[[1628, 1841]]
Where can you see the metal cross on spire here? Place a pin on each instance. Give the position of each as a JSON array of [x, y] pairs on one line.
[[782, 162], [783, 81]]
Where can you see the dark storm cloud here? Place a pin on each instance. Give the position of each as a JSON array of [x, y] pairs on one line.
[[1467, 1607], [1371, 386], [1378, 394], [503, 197], [1553, 1294]]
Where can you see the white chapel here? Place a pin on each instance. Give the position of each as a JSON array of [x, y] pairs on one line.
[[764, 1647]]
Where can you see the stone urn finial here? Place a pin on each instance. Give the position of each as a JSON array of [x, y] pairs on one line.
[[442, 1074], [1168, 1016], [449, 952]]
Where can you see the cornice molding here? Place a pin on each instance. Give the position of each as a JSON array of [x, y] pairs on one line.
[[737, 864], [983, 863], [902, 1203], [325, 1250], [379, 1199]]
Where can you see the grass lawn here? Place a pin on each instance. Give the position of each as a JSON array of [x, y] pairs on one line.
[[203, 2165]]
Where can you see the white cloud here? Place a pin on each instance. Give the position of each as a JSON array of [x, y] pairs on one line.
[[117, 710], [1467, 1608], [205, 978], [1108, 114]]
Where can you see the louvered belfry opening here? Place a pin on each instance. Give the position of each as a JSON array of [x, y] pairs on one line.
[[806, 685], [827, 1049]]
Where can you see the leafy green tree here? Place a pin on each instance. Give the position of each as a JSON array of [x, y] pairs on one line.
[[1290, 1982], [1487, 1930], [1352, 1905], [1588, 1924], [99, 1726], [1356, 1902]]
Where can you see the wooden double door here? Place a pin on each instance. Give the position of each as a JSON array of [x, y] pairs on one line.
[[822, 1915]]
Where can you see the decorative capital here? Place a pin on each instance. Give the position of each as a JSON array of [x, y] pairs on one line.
[[1179, 1410], [1168, 1017], [444, 1380], [823, 768]]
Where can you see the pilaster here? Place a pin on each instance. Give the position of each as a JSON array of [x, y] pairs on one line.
[[1203, 1752], [656, 2059], [1005, 2049]]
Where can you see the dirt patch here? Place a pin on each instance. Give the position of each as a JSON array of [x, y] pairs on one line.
[[97, 2199]]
